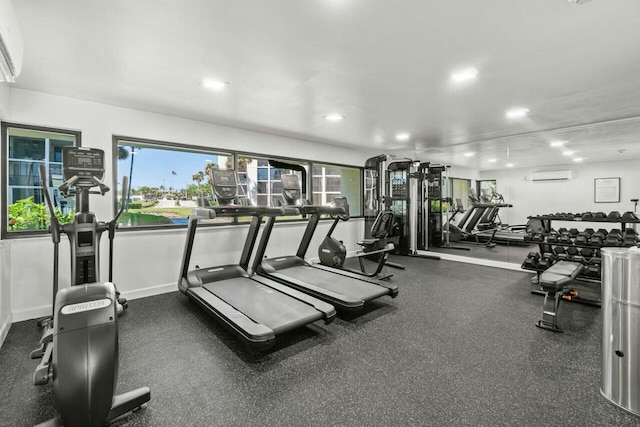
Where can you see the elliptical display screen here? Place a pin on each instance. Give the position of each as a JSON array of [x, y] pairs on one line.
[[82, 162]]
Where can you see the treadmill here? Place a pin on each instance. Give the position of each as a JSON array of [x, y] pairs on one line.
[[345, 290], [254, 308]]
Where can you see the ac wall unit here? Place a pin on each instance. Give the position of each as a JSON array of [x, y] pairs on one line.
[[11, 44], [545, 176]]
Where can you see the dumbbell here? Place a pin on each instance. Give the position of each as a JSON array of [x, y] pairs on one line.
[[599, 216], [588, 231], [630, 232], [573, 232], [593, 270], [552, 238], [596, 240], [629, 216], [612, 241], [573, 254], [586, 254], [630, 240], [587, 216], [614, 216], [614, 238], [547, 260], [537, 237], [560, 252], [565, 239], [615, 232], [532, 260], [562, 230], [582, 240]]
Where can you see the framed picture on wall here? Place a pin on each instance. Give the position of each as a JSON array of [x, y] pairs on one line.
[[607, 190]]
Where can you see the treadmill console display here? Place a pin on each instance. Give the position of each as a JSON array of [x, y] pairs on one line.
[[225, 185], [290, 188], [84, 163], [341, 202]]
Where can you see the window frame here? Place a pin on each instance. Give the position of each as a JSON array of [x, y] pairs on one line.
[[235, 155], [4, 180], [360, 179], [151, 143]]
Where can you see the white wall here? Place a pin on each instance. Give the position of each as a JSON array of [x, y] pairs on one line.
[[575, 195], [148, 262], [5, 290], [5, 265], [464, 173], [5, 100]]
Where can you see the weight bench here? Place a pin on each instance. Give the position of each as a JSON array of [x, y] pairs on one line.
[[552, 281]]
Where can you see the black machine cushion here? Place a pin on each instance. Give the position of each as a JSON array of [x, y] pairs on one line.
[[381, 229], [383, 225]]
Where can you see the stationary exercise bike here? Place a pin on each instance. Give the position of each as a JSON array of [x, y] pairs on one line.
[[79, 344], [333, 253]]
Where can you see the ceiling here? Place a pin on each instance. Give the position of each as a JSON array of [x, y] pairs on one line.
[[383, 64]]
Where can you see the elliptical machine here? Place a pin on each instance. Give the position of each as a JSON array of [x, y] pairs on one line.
[[79, 344]]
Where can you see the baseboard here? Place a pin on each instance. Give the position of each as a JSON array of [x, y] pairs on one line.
[[32, 313], [4, 328], [476, 261], [45, 310], [150, 291]]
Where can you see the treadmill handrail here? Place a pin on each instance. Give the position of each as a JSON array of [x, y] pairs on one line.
[[318, 209], [233, 210]]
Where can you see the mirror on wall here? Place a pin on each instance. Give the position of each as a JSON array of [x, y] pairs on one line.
[[513, 181]]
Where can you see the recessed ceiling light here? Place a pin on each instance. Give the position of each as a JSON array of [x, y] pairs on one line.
[[568, 153], [558, 143], [469, 154], [578, 159], [510, 165], [216, 85], [492, 160], [464, 75], [334, 117], [403, 136], [517, 113]]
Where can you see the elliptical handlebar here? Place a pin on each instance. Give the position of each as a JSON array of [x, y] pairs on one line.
[[64, 188], [125, 198], [55, 227], [113, 224], [55, 223]]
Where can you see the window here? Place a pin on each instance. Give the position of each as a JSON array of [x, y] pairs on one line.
[[24, 149], [459, 193], [262, 177], [166, 181], [330, 181], [486, 190]]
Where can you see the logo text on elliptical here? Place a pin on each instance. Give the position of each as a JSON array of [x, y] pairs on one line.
[[86, 306]]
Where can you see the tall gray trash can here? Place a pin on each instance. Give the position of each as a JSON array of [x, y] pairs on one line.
[[621, 328]]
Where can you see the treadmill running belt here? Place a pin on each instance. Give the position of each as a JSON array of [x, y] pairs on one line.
[[263, 304], [335, 282]]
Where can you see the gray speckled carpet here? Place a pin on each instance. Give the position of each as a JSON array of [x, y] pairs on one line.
[[457, 347]]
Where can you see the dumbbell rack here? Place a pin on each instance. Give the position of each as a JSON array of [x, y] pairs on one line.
[[569, 246]]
